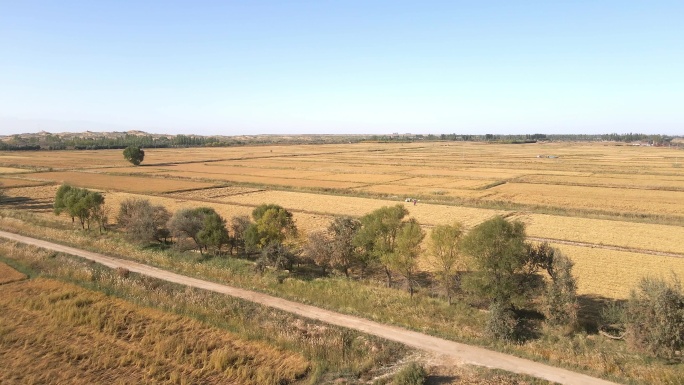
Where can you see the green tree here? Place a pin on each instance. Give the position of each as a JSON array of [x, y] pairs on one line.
[[134, 154], [377, 236], [272, 224], [82, 204], [445, 244], [405, 256], [505, 270], [214, 233]]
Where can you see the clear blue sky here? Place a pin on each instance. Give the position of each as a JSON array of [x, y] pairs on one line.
[[251, 67]]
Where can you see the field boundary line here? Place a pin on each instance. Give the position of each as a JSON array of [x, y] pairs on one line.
[[608, 247], [464, 353]]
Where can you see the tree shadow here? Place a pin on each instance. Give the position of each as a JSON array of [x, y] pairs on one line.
[[28, 204], [589, 314], [441, 380]]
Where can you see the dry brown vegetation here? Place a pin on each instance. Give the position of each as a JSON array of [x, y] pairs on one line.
[[594, 193], [66, 334], [8, 274]]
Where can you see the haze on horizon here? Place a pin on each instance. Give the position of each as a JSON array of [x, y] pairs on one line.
[[273, 67]]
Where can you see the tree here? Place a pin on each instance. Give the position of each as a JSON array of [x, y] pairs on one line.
[[272, 224], [60, 204], [134, 154], [187, 223], [445, 252], [82, 204], [319, 249], [655, 317], [142, 221], [405, 257], [2, 193], [343, 251], [560, 301], [239, 226], [377, 236], [506, 270], [213, 233]]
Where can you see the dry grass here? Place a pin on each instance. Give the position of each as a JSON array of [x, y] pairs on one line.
[[115, 182], [8, 274], [66, 334]]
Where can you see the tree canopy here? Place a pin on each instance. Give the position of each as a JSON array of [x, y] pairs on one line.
[[134, 154]]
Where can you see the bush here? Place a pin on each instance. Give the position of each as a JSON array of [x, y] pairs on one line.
[[412, 374], [502, 322], [655, 317], [560, 302]]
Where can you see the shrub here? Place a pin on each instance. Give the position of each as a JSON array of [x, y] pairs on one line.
[[412, 374], [502, 323], [655, 317]]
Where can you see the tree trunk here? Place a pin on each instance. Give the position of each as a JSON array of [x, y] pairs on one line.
[[388, 273]]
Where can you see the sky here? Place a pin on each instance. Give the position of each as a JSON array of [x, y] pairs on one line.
[[338, 67]]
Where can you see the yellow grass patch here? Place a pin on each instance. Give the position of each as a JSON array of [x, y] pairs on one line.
[[117, 182], [8, 274], [66, 334], [613, 274]]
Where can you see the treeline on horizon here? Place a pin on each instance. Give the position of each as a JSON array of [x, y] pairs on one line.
[[32, 142]]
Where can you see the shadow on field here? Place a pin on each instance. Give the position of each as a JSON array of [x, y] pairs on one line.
[[26, 203]]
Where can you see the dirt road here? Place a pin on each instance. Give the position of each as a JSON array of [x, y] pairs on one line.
[[464, 353]]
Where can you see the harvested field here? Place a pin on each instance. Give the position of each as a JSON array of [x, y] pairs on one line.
[[116, 182], [613, 274], [14, 182], [606, 232], [267, 180], [12, 170], [434, 192], [619, 184], [66, 334], [608, 180], [595, 198], [8, 274], [342, 205]]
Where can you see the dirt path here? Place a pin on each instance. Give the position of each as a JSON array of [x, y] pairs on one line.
[[464, 353]]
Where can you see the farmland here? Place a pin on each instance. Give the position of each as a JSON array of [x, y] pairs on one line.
[[596, 194]]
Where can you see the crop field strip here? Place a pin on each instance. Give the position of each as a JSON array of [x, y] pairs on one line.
[[67, 334]]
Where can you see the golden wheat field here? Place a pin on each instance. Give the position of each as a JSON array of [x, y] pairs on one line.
[[597, 194], [67, 334]]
